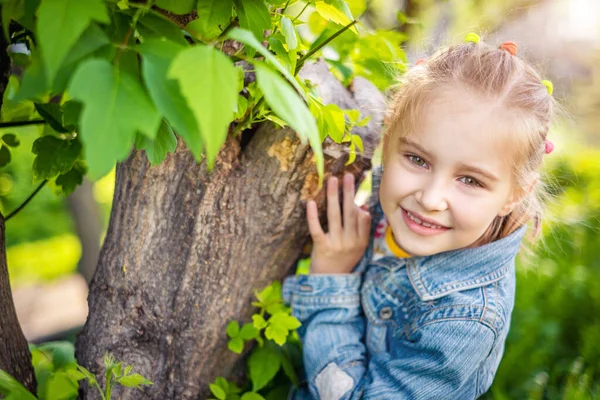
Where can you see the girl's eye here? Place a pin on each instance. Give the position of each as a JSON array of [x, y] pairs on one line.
[[418, 161], [467, 180]]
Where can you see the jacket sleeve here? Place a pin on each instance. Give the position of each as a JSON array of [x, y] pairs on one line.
[[439, 362]]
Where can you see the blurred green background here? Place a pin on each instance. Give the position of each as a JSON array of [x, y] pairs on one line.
[[552, 350]]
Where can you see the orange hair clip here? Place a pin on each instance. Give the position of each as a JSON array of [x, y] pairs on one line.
[[509, 46], [420, 61]]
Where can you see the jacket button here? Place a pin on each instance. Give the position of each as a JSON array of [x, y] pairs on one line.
[[386, 313]]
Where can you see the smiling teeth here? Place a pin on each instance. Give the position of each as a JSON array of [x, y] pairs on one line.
[[425, 224]]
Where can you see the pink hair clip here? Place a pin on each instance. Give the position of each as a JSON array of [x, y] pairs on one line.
[[420, 61], [549, 146]]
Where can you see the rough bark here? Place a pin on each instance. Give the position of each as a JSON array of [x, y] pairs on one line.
[[186, 247], [15, 357]]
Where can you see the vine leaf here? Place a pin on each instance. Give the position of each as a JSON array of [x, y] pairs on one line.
[[157, 56], [157, 149], [213, 16], [54, 156], [115, 108], [254, 16], [263, 364], [208, 81], [245, 37], [60, 24], [289, 107], [178, 7]]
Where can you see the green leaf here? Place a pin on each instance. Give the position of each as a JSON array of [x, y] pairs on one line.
[[333, 14], [61, 386], [277, 333], [134, 380], [258, 321], [76, 374], [10, 386], [157, 149], [33, 83], [236, 345], [63, 353], [288, 368], [71, 113], [213, 17], [10, 139], [233, 329], [330, 120], [92, 39], [222, 382], [91, 377], [151, 25], [263, 365], [278, 393], [252, 396], [60, 24], [54, 156], [341, 5], [71, 180], [217, 391], [284, 320], [281, 53], [178, 7], [52, 114], [248, 39], [289, 107], [4, 156], [208, 80], [248, 332], [254, 16], [157, 57], [115, 108], [275, 308], [290, 33]]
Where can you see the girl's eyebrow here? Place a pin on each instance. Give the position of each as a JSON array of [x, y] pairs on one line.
[[407, 142], [479, 171]]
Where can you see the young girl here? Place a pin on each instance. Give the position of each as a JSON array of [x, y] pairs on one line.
[[425, 313]]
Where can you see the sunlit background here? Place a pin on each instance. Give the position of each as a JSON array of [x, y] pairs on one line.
[[553, 349]]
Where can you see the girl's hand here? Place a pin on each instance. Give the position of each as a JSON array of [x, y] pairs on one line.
[[340, 249]]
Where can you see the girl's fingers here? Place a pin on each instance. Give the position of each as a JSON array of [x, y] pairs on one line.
[[364, 226], [350, 209], [333, 207], [314, 226]]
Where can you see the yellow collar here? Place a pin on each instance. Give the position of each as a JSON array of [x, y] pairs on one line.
[[393, 246]]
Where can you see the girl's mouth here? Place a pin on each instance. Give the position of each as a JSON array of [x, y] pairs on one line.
[[422, 226]]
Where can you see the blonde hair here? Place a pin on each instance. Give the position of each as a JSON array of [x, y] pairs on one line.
[[513, 86]]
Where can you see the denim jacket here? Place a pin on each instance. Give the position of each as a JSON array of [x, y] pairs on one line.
[[428, 327]]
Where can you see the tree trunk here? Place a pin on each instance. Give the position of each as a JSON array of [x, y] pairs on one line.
[[186, 247], [15, 357]]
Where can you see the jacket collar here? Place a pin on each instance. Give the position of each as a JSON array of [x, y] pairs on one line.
[[440, 274]]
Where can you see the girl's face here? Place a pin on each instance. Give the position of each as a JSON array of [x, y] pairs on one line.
[[443, 185]]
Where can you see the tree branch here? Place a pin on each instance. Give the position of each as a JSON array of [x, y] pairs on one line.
[[12, 214]]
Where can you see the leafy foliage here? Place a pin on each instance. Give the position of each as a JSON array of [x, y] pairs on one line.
[[551, 351], [107, 75], [274, 361], [58, 375]]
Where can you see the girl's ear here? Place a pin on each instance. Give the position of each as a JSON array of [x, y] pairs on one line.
[[516, 198]]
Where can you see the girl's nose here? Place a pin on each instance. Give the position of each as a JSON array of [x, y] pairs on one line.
[[432, 197]]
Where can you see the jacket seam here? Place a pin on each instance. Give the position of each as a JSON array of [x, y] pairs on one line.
[[484, 323], [440, 320], [485, 304]]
